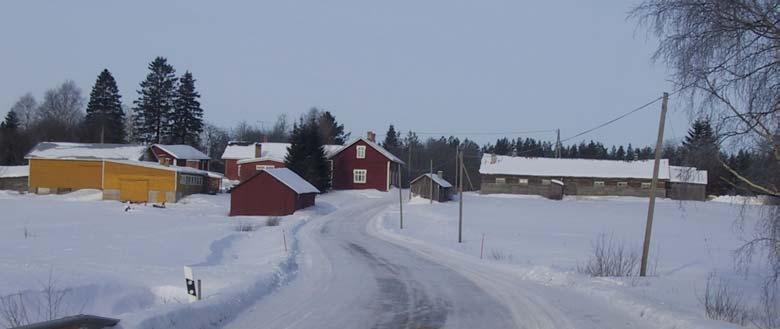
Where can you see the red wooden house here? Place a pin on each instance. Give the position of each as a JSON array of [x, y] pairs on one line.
[[236, 151], [271, 192], [180, 155], [362, 164]]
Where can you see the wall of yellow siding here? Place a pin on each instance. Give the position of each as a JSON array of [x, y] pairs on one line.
[[63, 174], [157, 179]]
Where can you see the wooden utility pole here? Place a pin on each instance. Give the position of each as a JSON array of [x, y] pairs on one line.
[[460, 200], [653, 187], [430, 192], [456, 165], [401, 198], [558, 143], [409, 171]]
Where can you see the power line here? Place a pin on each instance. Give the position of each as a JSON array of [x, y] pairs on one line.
[[612, 120]]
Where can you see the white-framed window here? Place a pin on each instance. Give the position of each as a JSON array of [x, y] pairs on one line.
[[546, 182], [359, 176], [361, 151], [646, 185], [622, 184], [191, 180], [500, 180], [598, 183], [263, 167], [522, 181]]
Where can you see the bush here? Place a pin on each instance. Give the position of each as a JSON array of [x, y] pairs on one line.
[[610, 258], [48, 303], [273, 221], [500, 255], [721, 302], [246, 227]]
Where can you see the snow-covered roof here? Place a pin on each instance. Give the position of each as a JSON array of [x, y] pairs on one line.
[[183, 152], [59, 150], [376, 146], [239, 150], [292, 180], [687, 175], [14, 171], [268, 151], [436, 179], [554, 167], [179, 169]]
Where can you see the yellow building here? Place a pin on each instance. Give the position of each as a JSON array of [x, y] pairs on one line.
[[116, 169]]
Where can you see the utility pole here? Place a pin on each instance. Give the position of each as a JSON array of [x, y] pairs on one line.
[[401, 198], [409, 170], [430, 191], [456, 165], [460, 199], [653, 186], [558, 144]]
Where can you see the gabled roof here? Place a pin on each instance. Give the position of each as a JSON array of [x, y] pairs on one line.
[[375, 146], [687, 175], [239, 150], [288, 178], [555, 167], [85, 151], [436, 179], [268, 151], [183, 152]]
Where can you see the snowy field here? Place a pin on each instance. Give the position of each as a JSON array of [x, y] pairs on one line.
[[129, 264], [544, 241]]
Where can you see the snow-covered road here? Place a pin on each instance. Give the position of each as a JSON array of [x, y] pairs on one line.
[[351, 276]]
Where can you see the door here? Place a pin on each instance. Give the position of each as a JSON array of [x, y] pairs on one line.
[[134, 190]]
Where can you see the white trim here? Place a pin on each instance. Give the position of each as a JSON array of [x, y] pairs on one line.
[[354, 177], [388, 175], [360, 151]]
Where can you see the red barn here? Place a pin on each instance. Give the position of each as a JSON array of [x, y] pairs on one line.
[[362, 164], [236, 151], [271, 192], [181, 156]]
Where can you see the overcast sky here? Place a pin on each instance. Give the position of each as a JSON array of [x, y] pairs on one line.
[[449, 66]]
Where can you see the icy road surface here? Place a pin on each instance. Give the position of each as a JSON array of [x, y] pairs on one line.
[[351, 277]]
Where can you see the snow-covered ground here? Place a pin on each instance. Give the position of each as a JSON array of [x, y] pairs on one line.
[[543, 241], [129, 264]]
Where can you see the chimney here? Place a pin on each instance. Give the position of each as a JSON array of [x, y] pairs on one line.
[[258, 149], [493, 158], [371, 136], [440, 174]]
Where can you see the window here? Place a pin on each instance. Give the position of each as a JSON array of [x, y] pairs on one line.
[[598, 183], [359, 176], [500, 180], [622, 184], [646, 185], [361, 151], [522, 181], [263, 167], [191, 180], [546, 182]]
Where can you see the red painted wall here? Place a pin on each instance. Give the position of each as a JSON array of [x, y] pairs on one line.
[[160, 154], [246, 170], [375, 163], [263, 195], [231, 169]]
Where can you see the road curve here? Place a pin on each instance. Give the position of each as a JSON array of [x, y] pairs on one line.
[[350, 279]]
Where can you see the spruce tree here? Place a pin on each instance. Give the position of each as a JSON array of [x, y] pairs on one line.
[[105, 120], [330, 130], [502, 146], [10, 150], [392, 141], [187, 117], [700, 149], [155, 103], [305, 155]]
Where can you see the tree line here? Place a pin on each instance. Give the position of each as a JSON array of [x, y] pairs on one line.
[[167, 110]]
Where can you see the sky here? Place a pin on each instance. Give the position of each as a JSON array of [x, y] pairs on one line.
[[464, 68]]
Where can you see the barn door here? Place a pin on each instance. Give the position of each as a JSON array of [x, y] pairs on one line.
[[134, 190]]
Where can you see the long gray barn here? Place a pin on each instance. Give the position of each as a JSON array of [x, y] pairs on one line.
[[541, 176]]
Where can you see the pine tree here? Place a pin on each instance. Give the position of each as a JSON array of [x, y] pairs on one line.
[[187, 117], [620, 154], [305, 155], [11, 121], [392, 141], [105, 120], [10, 150], [155, 102], [700, 150], [330, 130], [630, 153], [503, 147]]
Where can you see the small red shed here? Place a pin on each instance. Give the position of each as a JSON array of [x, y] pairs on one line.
[[363, 164], [271, 192]]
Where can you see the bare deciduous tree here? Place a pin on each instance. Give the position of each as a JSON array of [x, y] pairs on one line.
[[63, 104], [26, 107]]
